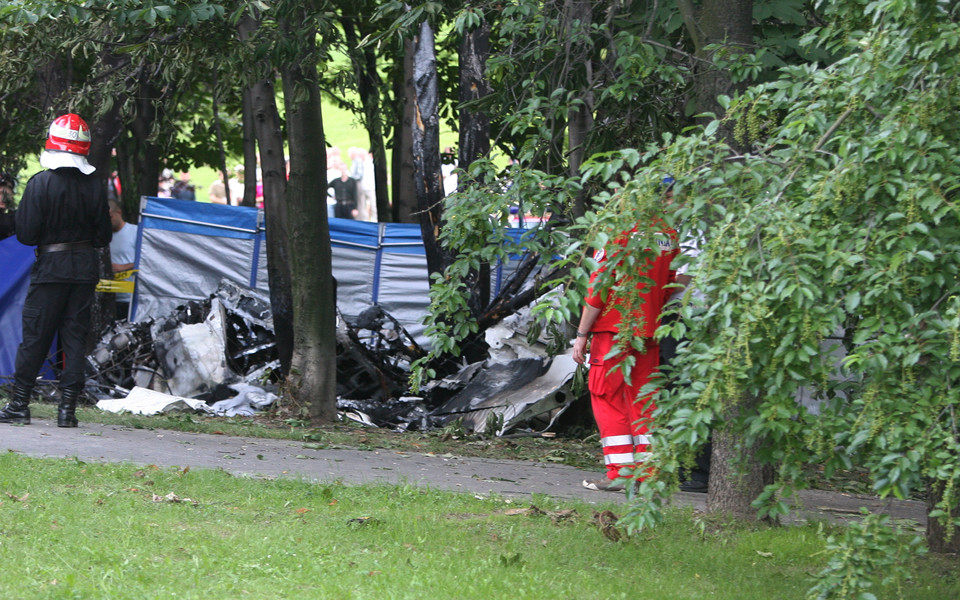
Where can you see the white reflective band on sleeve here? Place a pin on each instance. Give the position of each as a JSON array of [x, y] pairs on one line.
[[641, 456], [617, 440], [640, 439], [622, 458]]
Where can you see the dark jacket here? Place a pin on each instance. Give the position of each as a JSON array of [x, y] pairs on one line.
[[7, 224], [64, 205]]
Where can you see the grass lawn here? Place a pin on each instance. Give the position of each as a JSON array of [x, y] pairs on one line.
[[70, 529]]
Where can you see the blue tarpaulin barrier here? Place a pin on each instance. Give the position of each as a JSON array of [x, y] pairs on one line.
[[16, 260], [184, 250]]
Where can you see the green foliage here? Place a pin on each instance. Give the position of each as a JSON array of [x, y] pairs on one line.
[[546, 64], [475, 233], [120, 53], [832, 267], [868, 553], [628, 67], [830, 258]]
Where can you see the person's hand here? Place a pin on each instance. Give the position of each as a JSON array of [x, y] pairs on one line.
[[580, 350]]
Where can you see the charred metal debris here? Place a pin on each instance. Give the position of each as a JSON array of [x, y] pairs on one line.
[[221, 351]]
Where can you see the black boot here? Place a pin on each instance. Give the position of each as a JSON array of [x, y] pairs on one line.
[[67, 411], [18, 409]]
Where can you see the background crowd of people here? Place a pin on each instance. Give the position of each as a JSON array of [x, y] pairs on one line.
[[350, 190]]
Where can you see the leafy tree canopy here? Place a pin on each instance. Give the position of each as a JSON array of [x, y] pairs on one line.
[[830, 264]]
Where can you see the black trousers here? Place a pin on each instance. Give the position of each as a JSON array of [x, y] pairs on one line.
[[50, 309], [123, 310]]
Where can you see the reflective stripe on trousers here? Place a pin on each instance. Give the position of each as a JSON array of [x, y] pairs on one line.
[[623, 423]]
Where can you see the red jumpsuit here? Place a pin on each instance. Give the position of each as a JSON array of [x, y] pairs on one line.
[[623, 419]]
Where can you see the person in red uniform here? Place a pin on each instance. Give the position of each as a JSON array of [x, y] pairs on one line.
[[64, 214], [622, 418]]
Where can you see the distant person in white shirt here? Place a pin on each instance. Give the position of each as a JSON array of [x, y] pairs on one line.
[[123, 253], [448, 165]]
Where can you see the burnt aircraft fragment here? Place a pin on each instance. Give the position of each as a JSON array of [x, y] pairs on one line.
[[202, 348], [527, 391], [222, 351], [374, 356]]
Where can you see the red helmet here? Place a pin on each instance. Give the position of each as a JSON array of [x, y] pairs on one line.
[[69, 133]]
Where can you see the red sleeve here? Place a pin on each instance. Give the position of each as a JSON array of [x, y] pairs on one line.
[[593, 299]]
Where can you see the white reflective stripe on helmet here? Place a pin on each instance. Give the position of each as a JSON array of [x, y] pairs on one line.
[[81, 134], [621, 458], [617, 440]]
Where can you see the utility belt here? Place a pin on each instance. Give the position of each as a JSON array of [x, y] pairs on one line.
[[62, 247]]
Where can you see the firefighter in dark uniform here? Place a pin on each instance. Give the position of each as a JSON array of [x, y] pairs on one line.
[[64, 213]]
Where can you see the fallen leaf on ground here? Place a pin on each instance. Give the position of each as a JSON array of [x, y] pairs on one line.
[[607, 522]]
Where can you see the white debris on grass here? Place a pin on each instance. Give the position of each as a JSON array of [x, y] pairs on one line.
[[141, 401]]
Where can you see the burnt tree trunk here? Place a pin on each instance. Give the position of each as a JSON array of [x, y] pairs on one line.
[[474, 141], [270, 141], [404, 189], [313, 378], [104, 134], [143, 153], [474, 137], [428, 179]]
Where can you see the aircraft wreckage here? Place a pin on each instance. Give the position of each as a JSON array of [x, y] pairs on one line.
[[218, 356]]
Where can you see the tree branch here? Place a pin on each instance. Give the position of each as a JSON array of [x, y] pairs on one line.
[[689, 14], [823, 140]]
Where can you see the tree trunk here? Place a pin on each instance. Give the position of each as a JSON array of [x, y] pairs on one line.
[[737, 477], [426, 147], [474, 139], [474, 124], [728, 26], [249, 152], [145, 155], [939, 538], [218, 130], [313, 377], [368, 85], [245, 30], [404, 190], [581, 117], [104, 134], [266, 127], [270, 140]]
